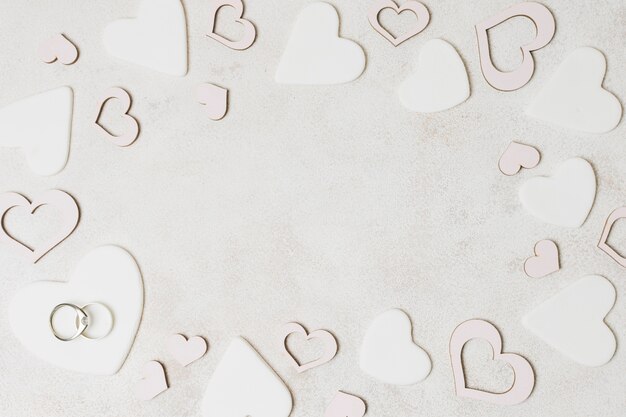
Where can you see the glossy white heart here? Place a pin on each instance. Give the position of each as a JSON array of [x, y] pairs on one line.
[[388, 352], [41, 126], [565, 198], [574, 97], [438, 82], [572, 321], [107, 275], [315, 54]]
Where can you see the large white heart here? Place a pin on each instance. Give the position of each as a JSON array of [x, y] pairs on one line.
[[156, 39], [107, 275], [572, 321], [439, 81], [244, 385], [315, 54], [41, 126], [388, 352], [574, 97], [565, 198]]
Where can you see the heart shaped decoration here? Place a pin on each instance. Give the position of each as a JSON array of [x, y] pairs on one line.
[[107, 275], [58, 48], [133, 133], [388, 352], [244, 385], [215, 100], [524, 376], [617, 214], [415, 7], [574, 98], [153, 382], [249, 31], [545, 261], [565, 198], [439, 81], [60, 200], [329, 345], [518, 156], [543, 20], [345, 405], [186, 351], [572, 321]]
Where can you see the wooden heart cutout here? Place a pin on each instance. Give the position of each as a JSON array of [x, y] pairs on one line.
[[518, 156], [617, 214], [131, 135], [415, 7], [186, 351], [545, 261], [345, 405], [328, 341], [249, 31], [153, 382], [58, 48]]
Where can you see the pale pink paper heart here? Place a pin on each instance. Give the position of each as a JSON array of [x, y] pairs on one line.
[[524, 380], [329, 345], [345, 405], [215, 100], [249, 31], [153, 382], [617, 214], [186, 351], [60, 200], [518, 156], [58, 48], [131, 135], [418, 9], [545, 261]]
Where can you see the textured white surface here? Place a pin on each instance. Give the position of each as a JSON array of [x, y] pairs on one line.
[[325, 205]]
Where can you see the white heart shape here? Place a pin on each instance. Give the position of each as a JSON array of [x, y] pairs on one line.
[[574, 97], [572, 321], [565, 198], [243, 385], [156, 39], [41, 126], [315, 54], [388, 352], [107, 275], [439, 81]]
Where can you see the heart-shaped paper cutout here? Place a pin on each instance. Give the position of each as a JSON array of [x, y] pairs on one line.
[[572, 321], [545, 261], [524, 376], [574, 97], [58, 48], [132, 134], [565, 198], [345, 405], [215, 100], [153, 382], [329, 345], [249, 31], [59, 200], [388, 352], [156, 39], [107, 275], [41, 126], [518, 156], [418, 9], [244, 385], [186, 351], [439, 81], [315, 54], [617, 214]]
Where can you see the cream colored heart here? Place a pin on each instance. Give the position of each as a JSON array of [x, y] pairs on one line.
[[186, 351]]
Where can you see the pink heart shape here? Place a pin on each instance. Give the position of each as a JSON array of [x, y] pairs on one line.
[[617, 214], [215, 99], [58, 199], [129, 137], [524, 376], [545, 261], [329, 344], [186, 351], [345, 405], [249, 31], [417, 8], [518, 156], [153, 382], [59, 48]]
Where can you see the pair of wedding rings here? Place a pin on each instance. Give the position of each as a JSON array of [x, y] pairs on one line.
[[84, 319]]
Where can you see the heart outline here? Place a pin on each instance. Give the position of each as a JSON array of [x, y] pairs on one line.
[[153, 383], [517, 156], [420, 11], [58, 48], [545, 261], [187, 351], [603, 244], [328, 340], [249, 35], [128, 138]]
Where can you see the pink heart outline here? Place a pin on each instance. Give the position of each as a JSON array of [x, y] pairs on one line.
[[346, 405], [417, 8], [249, 34], [517, 156], [153, 382], [523, 382], [65, 203], [545, 27], [187, 351], [60, 48], [604, 246], [215, 99], [545, 261], [129, 137], [328, 341]]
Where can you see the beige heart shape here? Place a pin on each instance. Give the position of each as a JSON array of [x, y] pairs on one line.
[[329, 344]]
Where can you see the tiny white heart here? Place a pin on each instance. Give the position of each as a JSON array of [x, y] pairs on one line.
[[186, 351]]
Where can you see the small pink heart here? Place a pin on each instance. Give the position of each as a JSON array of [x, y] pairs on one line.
[[329, 345], [215, 99], [545, 262], [133, 132], [418, 9], [153, 382], [518, 156], [345, 405], [249, 31], [59, 48], [604, 245], [186, 351]]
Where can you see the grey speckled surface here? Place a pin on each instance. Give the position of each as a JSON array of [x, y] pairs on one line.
[[323, 205]]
